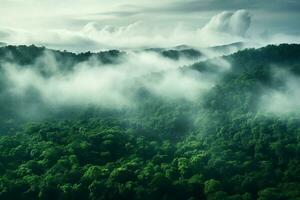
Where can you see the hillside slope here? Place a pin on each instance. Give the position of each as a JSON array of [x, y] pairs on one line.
[[232, 142]]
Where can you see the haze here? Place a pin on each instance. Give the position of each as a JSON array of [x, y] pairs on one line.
[[96, 25]]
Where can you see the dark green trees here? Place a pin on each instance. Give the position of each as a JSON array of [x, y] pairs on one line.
[[222, 147]]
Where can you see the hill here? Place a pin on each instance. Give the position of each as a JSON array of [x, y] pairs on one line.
[[230, 141]]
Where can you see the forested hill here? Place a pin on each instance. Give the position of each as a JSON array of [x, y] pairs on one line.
[[25, 55], [237, 139]]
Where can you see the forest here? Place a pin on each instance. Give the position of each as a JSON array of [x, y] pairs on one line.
[[233, 140]]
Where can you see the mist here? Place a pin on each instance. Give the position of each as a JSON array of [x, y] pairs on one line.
[[109, 85], [284, 98], [149, 100]]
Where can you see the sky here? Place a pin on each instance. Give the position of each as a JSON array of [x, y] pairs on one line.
[[82, 25]]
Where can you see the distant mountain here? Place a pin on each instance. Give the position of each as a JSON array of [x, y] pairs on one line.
[[182, 47], [222, 47], [249, 60], [25, 55], [178, 52], [231, 48], [186, 51]]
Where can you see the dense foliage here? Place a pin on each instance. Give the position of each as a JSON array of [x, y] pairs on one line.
[[222, 147]]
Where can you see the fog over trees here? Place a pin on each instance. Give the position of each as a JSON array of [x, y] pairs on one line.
[[149, 100], [232, 139]]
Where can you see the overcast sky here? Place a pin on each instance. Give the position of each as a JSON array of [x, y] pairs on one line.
[[81, 25]]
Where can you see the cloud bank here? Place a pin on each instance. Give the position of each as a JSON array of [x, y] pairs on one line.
[[233, 23], [110, 85], [283, 99], [223, 28]]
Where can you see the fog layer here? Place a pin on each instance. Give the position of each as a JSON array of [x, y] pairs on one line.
[[109, 85]]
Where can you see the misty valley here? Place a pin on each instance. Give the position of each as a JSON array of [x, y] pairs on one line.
[[220, 123]]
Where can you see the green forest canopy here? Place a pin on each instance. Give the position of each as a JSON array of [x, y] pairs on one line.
[[222, 147]]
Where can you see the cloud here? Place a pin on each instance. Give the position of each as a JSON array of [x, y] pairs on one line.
[[112, 85], [226, 27], [223, 28], [266, 39], [217, 5], [57, 39], [233, 23], [36, 22], [283, 99]]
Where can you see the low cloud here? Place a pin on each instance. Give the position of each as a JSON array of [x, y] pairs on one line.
[[226, 27], [110, 85], [284, 99]]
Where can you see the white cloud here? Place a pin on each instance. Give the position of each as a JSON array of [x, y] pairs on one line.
[[224, 28], [92, 83], [220, 30], [284, 99], [233, 23]]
